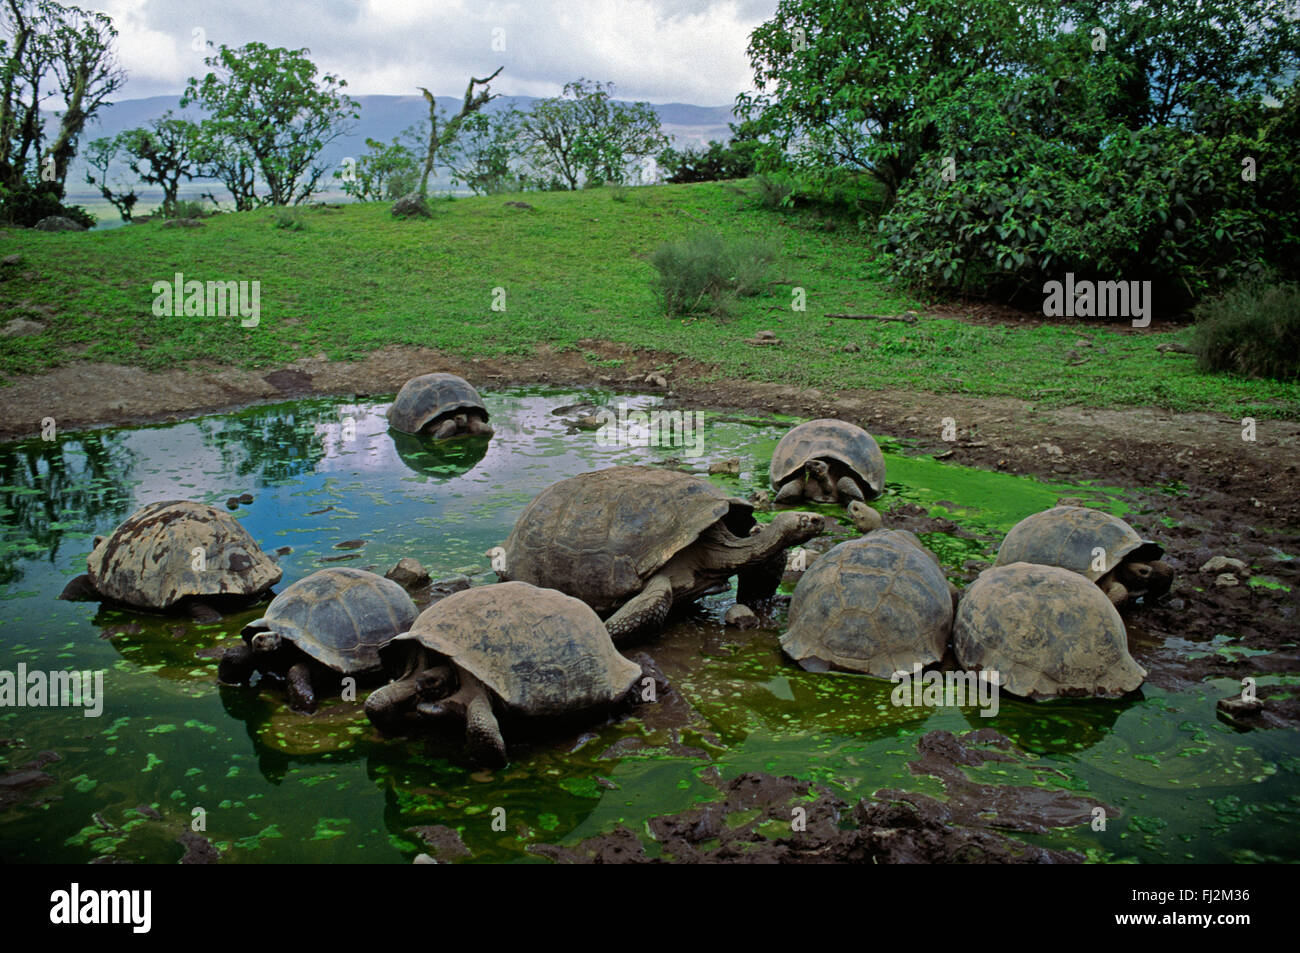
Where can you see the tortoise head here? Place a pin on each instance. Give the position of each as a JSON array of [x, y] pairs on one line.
[[819, 469], [265, 643], [798, 527]]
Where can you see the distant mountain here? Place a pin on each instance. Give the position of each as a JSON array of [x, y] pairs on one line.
[[382, 118]]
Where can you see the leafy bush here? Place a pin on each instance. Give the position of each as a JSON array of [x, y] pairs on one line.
[[775, 190], [1252, 329], [289, 219], [706, 272], [719, 160], [26, 204], [184, 209], [1030, 184]]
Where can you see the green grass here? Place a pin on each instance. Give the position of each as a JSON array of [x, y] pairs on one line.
[[576, 269]]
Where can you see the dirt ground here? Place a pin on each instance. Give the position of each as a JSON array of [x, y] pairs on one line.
[[1223, 497]]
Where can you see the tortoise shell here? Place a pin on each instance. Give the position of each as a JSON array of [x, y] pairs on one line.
[[830, 439], [1068, 536], [600, 536], [1046, 631], [877, 604], [541, 652], [152, 560], [339, 617], [425, 398]]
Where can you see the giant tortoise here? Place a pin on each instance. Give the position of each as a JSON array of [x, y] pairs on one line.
[[632, 542], [509, 649], [176, 555], [827, 461], [1043, 632], [324, 627], [1094, 544], [439, 405], [878, 604]]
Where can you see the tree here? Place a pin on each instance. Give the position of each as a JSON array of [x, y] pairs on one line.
[[99, 159], [583, 134], [163, 153], [438, 141], [87, 73], [854, 85], [219, 155], [480, 155], [384, 172], [1174, 49], [45, 48], [269, 101]]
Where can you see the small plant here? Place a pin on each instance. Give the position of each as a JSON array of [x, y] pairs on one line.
[[774, 191], [706, 272], [1253, 329], [183, 209], [289, 219]]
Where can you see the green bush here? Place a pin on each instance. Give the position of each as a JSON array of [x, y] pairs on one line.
[[184, 209], [1038, 185], [706, 272], [775, 190], [26, 204], [1252, 329], [289, 219]]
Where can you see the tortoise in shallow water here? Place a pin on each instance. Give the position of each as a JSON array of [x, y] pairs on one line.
[[1048, 632], [176, 555], [324, 627], [1094, 544], [827, 461], [504, 649], [632, 542], [440, 405], [877, 604]]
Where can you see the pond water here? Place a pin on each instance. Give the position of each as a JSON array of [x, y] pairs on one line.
[[280, 787]]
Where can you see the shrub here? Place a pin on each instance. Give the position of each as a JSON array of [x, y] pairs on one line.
[[706, 272], [1252, 329], [26, 204], [289, 219], [730, 160], [184, 209], [774, 191]]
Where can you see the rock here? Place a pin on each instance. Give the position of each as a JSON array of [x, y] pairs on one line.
[[1221, 564], [852, 348], [444, 843], [589, 422], [183, 223], [408, 573], [523, 205], [245, 498], [411, 205], [9, 260], [864, 517], [656, 380], [80, 589], [423, 859], [731, 465], [1225, 580], [740, 617], [1051, 449], [762, 340], [765, 336], [58, 223], [760, 498], [232, 503], [350, 544], [451, 584], [21, 327], [198, 849]]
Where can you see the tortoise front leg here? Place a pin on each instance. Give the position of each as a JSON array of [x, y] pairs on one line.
[[847, 489], [446, 428], [236, 666], [760, 582], [644, 612], [482, 732], [791, 491], [302, 693]]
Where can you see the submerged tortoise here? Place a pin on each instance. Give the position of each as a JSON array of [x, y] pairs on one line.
[[508, 649], [322, 628], [176, 555], [1094, 544], [827, 461], [877, 604], [1046, 631], [440, 405], [632, 542]]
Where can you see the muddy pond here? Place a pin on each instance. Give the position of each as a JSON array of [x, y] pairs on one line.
[[331, 483]]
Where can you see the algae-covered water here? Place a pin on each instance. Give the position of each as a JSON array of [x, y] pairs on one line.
[[171, 745]]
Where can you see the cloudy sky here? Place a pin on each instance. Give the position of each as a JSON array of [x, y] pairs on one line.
[[657, 50]]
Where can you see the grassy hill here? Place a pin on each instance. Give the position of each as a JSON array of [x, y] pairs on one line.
[[575, 268]]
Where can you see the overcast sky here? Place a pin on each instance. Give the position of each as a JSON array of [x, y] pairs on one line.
[[657, 50]]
